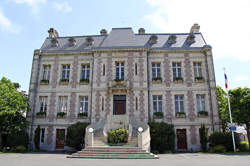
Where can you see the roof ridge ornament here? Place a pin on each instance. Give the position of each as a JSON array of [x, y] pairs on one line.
[[53, 33]]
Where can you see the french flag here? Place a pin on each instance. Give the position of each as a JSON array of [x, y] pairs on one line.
[[226, 81]]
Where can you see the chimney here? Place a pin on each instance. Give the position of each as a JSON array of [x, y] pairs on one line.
[[103, 32], [141, 31], [195, 28], [53, 33]]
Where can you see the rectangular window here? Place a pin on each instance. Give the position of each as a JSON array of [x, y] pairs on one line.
[[179, 103], [197, 69], [83, 104], [177, 70], [200, 101], [63, 103], [42, 135], [102, 103], [65, 72], [85, 72], [103, 70], [157, 103], [136, 103], [46, 72], [43, 101], [136, 69], [119, 68], [156, 70]]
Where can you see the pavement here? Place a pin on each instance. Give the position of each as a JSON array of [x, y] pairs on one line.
[[182, 159]]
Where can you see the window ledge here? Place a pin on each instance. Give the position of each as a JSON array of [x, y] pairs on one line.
[[180, 115]]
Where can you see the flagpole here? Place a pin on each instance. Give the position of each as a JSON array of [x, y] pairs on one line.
[[230, 114]]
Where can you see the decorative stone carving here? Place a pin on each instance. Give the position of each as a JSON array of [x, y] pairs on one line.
[[74, 72], [72, 41], [171, 39], [191, 113], [153, 39], [52, 107], [72, 106], [188, 70], [89, 41], [169, 106], [50, 135], [167, 71], [55, 72], [193, 133], [190, 39], [54, 42]]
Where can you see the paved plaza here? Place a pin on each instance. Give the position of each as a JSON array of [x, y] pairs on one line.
[[187, 159]]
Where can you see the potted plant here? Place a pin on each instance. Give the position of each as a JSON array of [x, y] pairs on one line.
[[158, 115], [178, 79], [84, 81], [61, 115], [157, 80], [40, 114], [44, 82], [64, 81], [203, 114], [83, 115], [180, 115], [199, 79]]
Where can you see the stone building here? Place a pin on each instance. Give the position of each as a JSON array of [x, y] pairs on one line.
[[123, 79]]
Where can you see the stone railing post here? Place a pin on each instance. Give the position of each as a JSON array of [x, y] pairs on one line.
[[90, 137], [140, 129]]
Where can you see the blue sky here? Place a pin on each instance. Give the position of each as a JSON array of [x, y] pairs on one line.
[[224, 24]]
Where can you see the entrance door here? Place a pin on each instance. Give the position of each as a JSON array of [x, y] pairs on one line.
[[60, 138], [119, 104], [181, 139]]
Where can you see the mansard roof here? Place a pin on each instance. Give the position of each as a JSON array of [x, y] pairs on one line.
[[124, 38]]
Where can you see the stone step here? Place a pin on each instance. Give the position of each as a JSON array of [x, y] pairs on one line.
[[115, 156]]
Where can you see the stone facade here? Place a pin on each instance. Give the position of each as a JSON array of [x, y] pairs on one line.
[[138, 85]]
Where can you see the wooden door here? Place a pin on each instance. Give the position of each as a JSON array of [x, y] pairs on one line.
[[181, 139], [60, 138], [120, 107]]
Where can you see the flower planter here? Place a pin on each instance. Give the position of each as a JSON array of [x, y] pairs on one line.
[[180, 115], [83, 115], [84, 81], [41, 115], [61, 115], [64, 82], [44, 82], [178, 80], [203, 114], [199, 80], [158, 115]]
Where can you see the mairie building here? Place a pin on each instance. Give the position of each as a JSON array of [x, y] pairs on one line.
[[123, 79]]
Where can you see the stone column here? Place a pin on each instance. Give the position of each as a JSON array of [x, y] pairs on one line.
[[167, 71], [188, 70]]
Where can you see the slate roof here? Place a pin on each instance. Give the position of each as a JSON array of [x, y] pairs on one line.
[[123, 38]]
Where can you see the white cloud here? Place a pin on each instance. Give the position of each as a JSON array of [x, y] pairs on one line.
[[7, 25], [224, 23], [34, 4], [242, 78], [62, 7]]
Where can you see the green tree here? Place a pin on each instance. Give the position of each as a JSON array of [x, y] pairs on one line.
[[203, 137], [222, 107], [13, 105], [240, 104]]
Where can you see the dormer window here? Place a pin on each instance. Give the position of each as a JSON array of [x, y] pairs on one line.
[[54, 42], [172, 39], [190, 39], [89, 41], [72, 42], [153, 39]]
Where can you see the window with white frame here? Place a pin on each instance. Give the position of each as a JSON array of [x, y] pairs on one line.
[[46, 72], [63, 103], [42, 135], [177, 70], [200, 102], [197, 69], [157, 103], [179, 103], [83, 100], [156, 70], [119, 68], [85, 72], [65, 72], [43, 101]]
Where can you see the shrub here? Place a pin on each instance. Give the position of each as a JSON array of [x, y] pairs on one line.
[[83, 114], [75, 135], [203, 137], [17, 138], [162, 137], [118, 136], [219, 149], [84, 80], [21, 148], [225, 139], [40, 113], [244, 147], [61, 114], [37, 137]]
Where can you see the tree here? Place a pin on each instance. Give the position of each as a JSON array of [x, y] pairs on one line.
[[240, 104], [203, 137], [223, 107], [13, 105]]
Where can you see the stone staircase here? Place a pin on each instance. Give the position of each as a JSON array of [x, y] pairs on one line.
[[114, 152]]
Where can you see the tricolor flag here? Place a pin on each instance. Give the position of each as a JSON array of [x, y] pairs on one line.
[[225, 80]]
